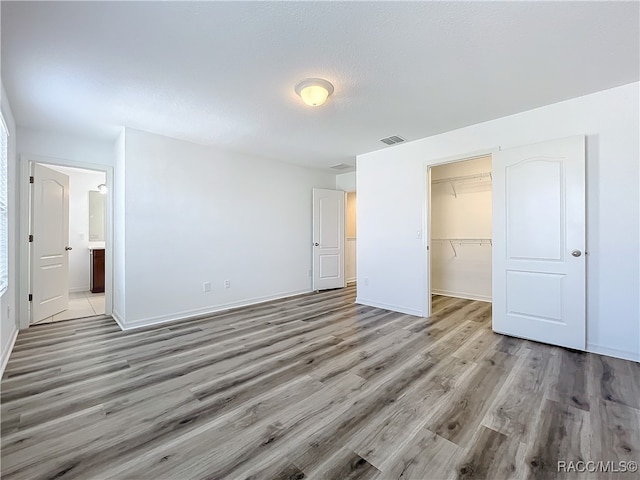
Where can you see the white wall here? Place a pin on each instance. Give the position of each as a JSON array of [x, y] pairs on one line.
[[198, 214], [80, 183], [346, 182], [461, 269], [61, 149], [8, 301], [64, 146], [119, 221], [391, 204]]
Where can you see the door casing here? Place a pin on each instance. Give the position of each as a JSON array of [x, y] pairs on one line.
[[24, 268], [426, 218]]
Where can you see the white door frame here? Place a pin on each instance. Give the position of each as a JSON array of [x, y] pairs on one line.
[[426, 217], [24, 267]]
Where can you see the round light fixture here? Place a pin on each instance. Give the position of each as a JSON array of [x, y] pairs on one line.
[[314, 91]]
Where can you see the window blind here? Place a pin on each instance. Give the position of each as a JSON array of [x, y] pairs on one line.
[[4, 210]]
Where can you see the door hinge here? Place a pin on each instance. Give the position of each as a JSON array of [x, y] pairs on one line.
[[31, 179], [31, 297], [31, 238]]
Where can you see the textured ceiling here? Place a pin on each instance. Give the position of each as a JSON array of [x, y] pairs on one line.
[[223, 73]]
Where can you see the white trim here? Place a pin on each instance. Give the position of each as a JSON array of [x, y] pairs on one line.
[[80, 289], [25, 160], [116, 316], [613, 352], [7, 353], [393, 308], [467, 296], [199, 312]]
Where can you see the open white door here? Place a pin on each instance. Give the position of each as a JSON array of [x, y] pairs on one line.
[[539, 242], [328, 239], [49, 249]]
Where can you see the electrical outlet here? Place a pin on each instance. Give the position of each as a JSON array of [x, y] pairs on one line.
[[227, 284], [206, 287], [365, 281]]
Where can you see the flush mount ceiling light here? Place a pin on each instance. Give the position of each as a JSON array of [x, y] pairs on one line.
[[102, 188], [314, 91]]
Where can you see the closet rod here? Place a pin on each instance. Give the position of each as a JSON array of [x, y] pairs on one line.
[[477, 176], [463, 241], [453, 180]]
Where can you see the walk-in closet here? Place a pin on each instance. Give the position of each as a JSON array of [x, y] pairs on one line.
[[460, 227]]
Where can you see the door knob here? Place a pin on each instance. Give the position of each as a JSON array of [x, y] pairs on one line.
[[576, 253], [316, 244], [68, 248]]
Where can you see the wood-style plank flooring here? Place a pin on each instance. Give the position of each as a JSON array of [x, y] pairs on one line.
[[311, 387]]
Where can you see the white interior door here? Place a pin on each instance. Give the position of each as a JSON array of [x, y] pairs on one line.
[[328, 239], [49, 249], [539, 242]]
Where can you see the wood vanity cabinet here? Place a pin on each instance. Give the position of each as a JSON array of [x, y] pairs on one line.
[[97, 270]]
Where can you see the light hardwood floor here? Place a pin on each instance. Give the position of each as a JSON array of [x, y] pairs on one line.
[[311, 387]]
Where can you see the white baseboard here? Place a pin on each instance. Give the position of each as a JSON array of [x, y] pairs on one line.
[[186, 315], [613, 352], [7, 352], [393, 308], [80, 289], [118, 318], [467, 296]]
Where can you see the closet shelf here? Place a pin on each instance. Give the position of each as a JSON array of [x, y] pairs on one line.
[[463, 241], [477, 180]]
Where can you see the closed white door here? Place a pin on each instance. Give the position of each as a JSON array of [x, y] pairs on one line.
[[328, 239], [49, 249], [539, 288]]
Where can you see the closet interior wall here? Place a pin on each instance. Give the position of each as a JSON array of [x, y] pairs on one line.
[[461, 229]]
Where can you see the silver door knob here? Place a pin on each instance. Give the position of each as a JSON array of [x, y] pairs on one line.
[[576, 253], [316, 244], [68, 248]]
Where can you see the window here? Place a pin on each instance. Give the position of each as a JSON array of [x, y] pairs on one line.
[[4, 210]]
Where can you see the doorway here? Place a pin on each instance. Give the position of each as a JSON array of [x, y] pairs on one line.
[[460, 229], [537, 238], [85, 289], [350, 259], [86, 244]]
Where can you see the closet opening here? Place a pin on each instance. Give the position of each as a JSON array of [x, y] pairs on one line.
[[459, 226]]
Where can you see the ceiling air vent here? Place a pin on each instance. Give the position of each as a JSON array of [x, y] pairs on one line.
[[341, 166], [392, 140]]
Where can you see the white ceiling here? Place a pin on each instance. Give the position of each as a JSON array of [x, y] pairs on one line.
[[223, 73]]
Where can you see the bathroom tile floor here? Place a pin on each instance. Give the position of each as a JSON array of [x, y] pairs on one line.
[[81, 304]]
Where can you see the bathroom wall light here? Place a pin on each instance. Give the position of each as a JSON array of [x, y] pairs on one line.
[[314, 91], [102, 188]]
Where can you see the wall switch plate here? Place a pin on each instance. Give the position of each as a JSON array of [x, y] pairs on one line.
[[227, 284], [309, 273], [365, 281], [206, 287]]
